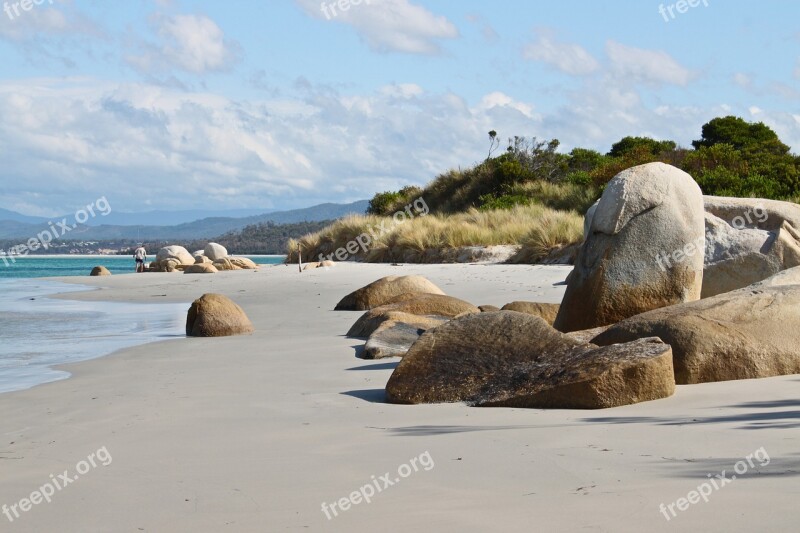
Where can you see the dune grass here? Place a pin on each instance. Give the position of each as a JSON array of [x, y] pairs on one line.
[[537, 229]]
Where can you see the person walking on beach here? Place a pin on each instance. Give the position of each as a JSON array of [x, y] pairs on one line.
[[140, 255]]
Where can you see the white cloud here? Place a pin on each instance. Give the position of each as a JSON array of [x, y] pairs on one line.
[[501, 100], [569, 58], [192, 43], [388, 25], [402, 90], [647, 66], [65, 141]]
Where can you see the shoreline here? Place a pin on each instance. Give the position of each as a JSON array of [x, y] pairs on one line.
[[232, 433], [95, 329]]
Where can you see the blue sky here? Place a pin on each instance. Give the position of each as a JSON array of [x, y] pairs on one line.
[[170, 104]]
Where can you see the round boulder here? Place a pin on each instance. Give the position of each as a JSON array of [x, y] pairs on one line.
[[215, 251], [178, 254], [100, 271], [215, 315], [380, 292]]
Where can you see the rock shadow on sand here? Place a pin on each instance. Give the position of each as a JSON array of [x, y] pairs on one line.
[[765, 418], [368, 395]]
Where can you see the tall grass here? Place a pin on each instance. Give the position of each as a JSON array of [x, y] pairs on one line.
[[536, 228]]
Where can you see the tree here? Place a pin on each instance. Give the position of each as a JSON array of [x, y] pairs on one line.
[[494, 142], [742, 135], [630, 144]]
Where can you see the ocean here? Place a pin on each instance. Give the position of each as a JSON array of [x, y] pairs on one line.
[[52, 266], [38, 333]]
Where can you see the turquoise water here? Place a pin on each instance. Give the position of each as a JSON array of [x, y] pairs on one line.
[[46, 266], [37, 332]]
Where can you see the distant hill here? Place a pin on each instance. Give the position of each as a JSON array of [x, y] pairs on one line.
[[6, 215], [205, 228], [169, 218]]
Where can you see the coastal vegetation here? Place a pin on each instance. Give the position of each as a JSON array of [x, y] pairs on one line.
[[534, 196]]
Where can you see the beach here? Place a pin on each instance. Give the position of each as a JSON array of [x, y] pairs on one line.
[[264, 432]]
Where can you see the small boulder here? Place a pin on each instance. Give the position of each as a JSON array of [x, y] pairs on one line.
[[201, 268], [243, 263], [170, 265], [413, 304], [215, 315], [488, 308], [100, 271], [510, 359], [394, 337], [546, 311], [225, 264], [383, 290], [200, 259], [215, 251]]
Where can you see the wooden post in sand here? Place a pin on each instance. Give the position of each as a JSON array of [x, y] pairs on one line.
[[299, 259]]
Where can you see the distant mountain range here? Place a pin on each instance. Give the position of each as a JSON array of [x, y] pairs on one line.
[[161, 225]]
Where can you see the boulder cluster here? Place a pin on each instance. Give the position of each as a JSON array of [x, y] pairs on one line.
[[213, 258], [669, 287]]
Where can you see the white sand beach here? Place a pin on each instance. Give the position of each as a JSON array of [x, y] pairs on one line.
[[254, 433]]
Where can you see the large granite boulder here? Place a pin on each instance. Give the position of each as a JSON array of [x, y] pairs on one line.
[[546, 311], [644, 249], [756, 239], [411, 304], [215, 251], [100, 271], [380, 292], [756, 213], [748, 333], [215, 315], [510, 359], [177, 253]]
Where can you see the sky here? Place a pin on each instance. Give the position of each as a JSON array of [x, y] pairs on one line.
[[279, 104]]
